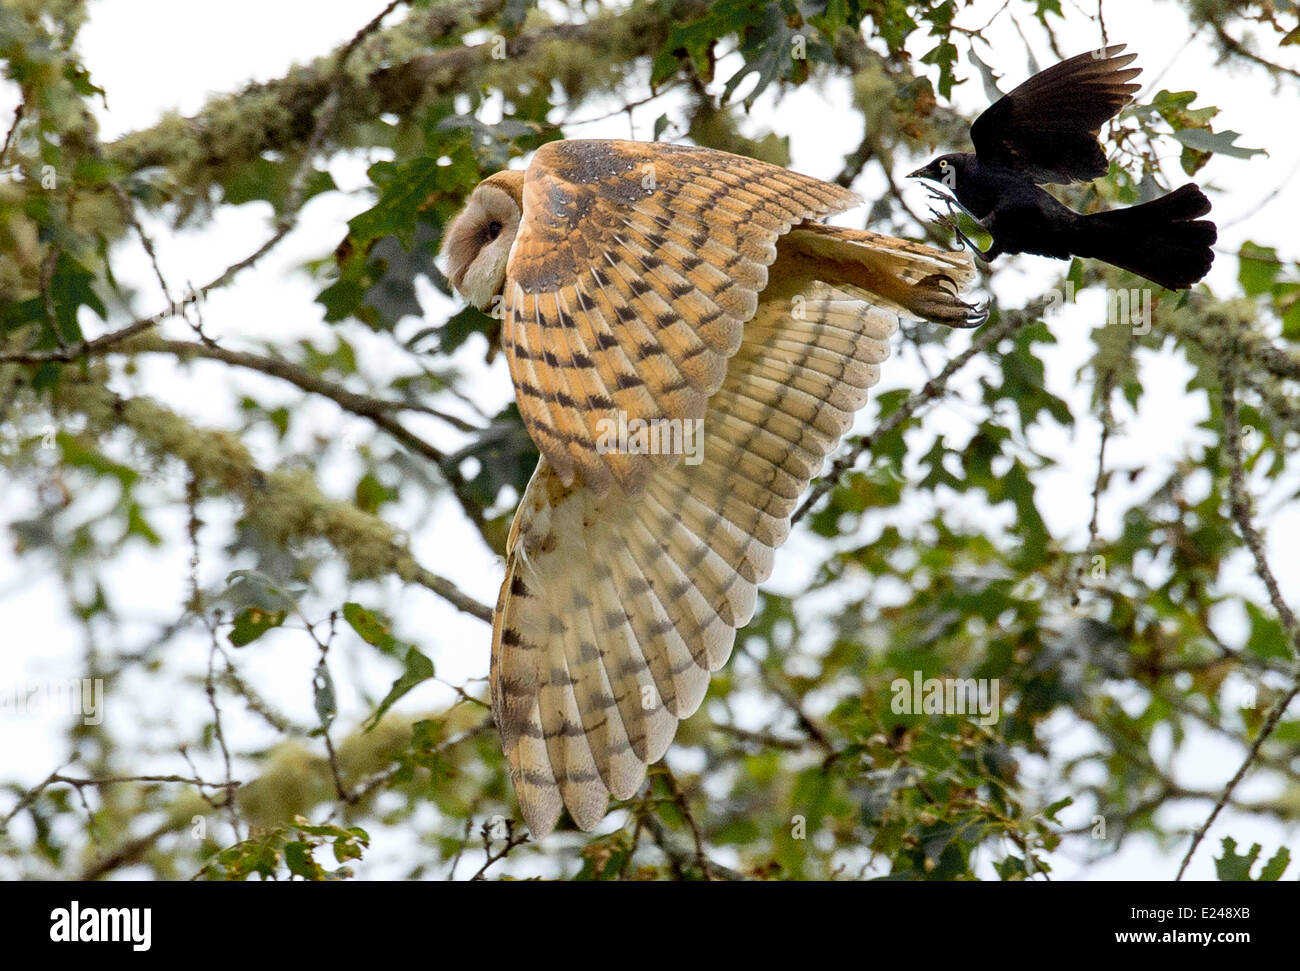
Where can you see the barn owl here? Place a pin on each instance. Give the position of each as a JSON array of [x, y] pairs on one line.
[[687, 343]]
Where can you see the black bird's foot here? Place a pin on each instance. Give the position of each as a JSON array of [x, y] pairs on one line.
[[947, 222], [953, 205], [937, 196]]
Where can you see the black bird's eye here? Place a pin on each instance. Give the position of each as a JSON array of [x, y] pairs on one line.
[[493, 229], [943, 165]]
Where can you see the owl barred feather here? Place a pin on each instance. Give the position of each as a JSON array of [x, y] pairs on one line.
[[670, 283]]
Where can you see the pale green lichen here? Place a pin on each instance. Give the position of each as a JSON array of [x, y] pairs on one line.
[[286, 506]]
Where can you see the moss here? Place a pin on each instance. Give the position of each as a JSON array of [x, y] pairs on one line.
[[68, 14], [292, 509], [295, 779], [286, 507]]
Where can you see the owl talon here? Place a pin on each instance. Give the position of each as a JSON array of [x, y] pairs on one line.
[[976, 316]]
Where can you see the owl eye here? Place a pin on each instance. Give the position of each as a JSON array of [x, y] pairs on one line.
[[493, 229]]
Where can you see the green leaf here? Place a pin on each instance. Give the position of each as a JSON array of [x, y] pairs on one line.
[[347, 848], [371, 493], [1267, 637], [79, 77], [408, 188], [1173, 107], [1259, 268], [1236, 867], [418, 668], [1275, 867], [512, 16], [75, 453], [1044, 7], [1291, 318], [137, 525], [604, 858], [462, 325], [265, 181], [894, 23], [1219, 143], [943, 56], [1050, 812], [19, 313], [297, 856], [72, 287], [252, 622], [373, 628]]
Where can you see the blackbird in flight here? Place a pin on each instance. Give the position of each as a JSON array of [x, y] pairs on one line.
[[1045, 131]]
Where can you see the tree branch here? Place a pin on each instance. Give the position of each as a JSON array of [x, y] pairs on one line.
[[285, 506], [1241, 513]]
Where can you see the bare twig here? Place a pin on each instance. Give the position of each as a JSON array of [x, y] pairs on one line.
[[701, 858], [9, 135], [1266, 730], [1241, 503], [810, 727], [131, 851], [64, 355], [193, 526], [856, 161], [512, 840], [453, 594], [678, 860], [1107, 417], [762, 739], [57, 778], [1234, 46]]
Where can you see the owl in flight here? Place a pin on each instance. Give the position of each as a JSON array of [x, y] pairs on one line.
[[674, 289]]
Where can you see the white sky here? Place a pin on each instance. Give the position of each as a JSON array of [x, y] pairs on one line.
[[152, 56]]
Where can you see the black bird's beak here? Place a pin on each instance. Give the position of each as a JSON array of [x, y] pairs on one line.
[[919, 173]]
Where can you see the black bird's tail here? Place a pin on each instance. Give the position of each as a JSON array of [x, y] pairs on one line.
[[1163, 240]]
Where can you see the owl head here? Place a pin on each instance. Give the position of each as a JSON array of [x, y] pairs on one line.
[[476, 246]]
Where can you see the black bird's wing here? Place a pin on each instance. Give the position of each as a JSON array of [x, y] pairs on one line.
[[1047, 128]]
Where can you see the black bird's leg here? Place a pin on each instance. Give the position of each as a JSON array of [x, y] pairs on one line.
[[949, 223], [951, 202]]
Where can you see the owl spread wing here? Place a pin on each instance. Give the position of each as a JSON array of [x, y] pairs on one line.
[[615, 609], [633, 273]]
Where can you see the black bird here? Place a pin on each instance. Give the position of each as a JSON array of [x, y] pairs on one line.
[[1045, 131]]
